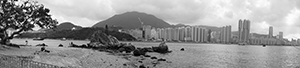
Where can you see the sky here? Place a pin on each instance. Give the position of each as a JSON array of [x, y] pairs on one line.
[[282, 15]]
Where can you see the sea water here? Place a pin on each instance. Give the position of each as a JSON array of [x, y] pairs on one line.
[[196, 55]]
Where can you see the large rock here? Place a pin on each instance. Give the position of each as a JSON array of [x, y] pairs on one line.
[[139, 52], [129, 48], [100, 37], [113, 40], [148, 49], [162, 48], [95, 44]]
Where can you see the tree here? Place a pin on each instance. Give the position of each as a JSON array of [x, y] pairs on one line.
[[17, 16]]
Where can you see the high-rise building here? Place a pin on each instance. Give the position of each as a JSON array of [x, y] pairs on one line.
[[205, 35], [201, 34], [244, 31], [147, 32], [209, 36], [240, 28], [225, 34], [198, 34], [181, 33], [270, 32], [228, 32], [154, 34], [280, 35]]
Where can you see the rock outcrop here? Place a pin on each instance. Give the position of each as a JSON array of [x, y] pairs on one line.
[[139, 52], [127, 48], [100, 39], [162, 48]]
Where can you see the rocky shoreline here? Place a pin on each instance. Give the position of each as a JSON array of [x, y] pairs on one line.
[[138, 57], [87, 58], [104, 51]]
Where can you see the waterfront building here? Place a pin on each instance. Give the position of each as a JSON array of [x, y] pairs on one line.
[[146, 32], [136, 33], [154, 34], [225, 34], [270, 32], [280, 35], [240, 29], [187, 33], [264, 41], [181, 33], [244, 31]]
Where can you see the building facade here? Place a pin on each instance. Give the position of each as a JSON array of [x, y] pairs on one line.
[[244, 31], [270, 32], [225, 34]]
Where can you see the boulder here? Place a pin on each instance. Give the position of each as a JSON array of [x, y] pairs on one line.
[[60, 45], [142, 66], [113, 40], [126, 47], [83, 45], [100, 39], [138, 52], [161, 59], [13, 45], [182, 49], [162, 48], [121, 49], [153, 57], [148, 49], [147, 56], [41, 44], [47, 51]]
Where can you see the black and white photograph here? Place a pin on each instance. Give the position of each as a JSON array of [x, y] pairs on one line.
[[149, 34]]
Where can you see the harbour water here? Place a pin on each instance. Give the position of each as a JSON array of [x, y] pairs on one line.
[[198, 55]]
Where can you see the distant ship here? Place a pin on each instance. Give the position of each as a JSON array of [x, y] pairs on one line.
[[39, 38], [63, 39]]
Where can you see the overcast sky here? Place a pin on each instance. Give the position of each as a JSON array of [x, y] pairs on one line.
[[283, 15]]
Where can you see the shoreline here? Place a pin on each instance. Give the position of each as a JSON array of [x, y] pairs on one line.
[[82, 58], [169, 42]]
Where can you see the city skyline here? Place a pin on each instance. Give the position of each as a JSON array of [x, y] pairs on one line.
[[281, 15], [203, 34]]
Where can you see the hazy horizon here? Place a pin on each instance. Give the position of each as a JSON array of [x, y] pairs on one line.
[[283, 15]]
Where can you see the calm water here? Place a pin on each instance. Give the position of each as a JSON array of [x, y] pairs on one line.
[[212, 55]]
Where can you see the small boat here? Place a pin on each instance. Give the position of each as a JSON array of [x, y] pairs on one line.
[[63, 39], [264, 45], [39, 39]]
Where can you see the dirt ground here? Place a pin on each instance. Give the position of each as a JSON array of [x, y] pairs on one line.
[[83, 58]]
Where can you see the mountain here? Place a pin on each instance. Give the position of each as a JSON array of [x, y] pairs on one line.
[[212, 28], [66, 26], [80, 34], [179, 25], [132, 20]]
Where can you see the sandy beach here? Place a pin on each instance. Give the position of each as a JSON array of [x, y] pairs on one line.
[[83, 58]]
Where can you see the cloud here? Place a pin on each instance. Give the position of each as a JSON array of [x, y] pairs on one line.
[[292, 17], [283, 15]]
